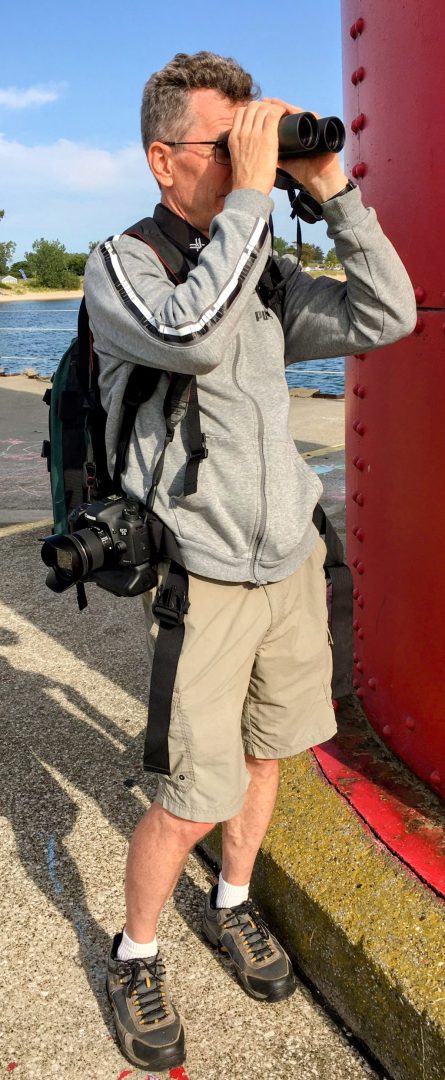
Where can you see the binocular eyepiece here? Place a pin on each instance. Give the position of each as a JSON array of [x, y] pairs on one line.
[[303, 134]]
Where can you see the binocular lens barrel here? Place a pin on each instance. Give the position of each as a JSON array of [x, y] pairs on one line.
[[332, 133], [302, 134], [297, 133]]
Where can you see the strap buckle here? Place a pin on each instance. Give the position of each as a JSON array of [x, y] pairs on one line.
[[170, 605], [202, 453], [89, 474]]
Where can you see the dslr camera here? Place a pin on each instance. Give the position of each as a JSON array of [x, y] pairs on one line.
[[108, 544]]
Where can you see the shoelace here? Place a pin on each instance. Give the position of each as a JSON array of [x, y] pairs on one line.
[[146, 988], [255, 932]]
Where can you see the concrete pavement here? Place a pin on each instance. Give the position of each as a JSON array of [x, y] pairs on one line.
[[358, 924]]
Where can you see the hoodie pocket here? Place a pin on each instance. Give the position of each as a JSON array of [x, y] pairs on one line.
[[223, 514], [292, 490]]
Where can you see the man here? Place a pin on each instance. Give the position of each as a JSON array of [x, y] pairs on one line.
[[253, 679]]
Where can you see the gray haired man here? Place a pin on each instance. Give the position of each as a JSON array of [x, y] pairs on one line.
[[253, 680]]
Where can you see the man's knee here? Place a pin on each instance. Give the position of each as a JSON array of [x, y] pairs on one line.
[[262, 769], [187, 832]]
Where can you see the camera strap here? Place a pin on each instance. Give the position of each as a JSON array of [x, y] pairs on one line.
[[169, 607]]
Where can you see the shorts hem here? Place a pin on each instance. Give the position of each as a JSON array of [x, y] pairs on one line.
[[216, 814], [278, 753]]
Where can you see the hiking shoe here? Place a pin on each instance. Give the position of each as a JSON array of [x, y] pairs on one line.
[[261, 964], [148, 1027]]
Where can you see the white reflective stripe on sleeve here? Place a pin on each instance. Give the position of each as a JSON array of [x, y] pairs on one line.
[[222, 301]]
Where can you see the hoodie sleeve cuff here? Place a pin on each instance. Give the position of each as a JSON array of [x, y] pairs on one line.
[[344, 212]]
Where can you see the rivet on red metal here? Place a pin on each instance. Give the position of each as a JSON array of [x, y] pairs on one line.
[[372, 683], [359, 427], [420, 325], [409, 723], [360, 693], [360, 535], [355, 657], [356, 625], [356, 683], [387, 731], [355, 561], [359, 463], [358, 123], [357, 28], [360, 667], [355, 389], [435, 777], [361, 392], [358, 75], [359, 170], [361, 633], [360, 568], [361, 601], [419, 294], [355, 594]]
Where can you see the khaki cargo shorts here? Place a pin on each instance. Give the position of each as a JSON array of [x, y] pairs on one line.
[[254, 677]]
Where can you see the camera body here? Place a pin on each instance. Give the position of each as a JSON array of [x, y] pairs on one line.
[[108, 544]]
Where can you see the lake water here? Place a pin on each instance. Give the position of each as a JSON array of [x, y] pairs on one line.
[[35, 334]]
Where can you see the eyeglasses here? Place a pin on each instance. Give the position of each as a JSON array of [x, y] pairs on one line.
[[221, 150]]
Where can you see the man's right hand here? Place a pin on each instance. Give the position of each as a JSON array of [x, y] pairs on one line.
[[253, 145]]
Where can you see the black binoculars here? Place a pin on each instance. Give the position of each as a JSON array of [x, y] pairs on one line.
[[302, 134]]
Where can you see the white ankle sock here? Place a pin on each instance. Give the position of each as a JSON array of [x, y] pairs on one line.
[[133, 950], [231, 895]]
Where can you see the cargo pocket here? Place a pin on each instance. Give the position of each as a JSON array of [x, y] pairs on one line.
[[179, 747]]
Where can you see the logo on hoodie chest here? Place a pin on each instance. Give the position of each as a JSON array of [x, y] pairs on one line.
[[263, 314]]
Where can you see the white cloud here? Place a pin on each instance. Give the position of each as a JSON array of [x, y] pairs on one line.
[[71, 191], [66, 166], [14, 98]]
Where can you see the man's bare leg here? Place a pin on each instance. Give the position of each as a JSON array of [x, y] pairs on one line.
[[243, 834], [157, 854]]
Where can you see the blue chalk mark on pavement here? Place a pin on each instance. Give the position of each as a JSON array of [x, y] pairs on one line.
[[322, 469], [51, 862]]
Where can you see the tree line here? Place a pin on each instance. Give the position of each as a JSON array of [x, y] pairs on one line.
[[311, 254], [50, 265]]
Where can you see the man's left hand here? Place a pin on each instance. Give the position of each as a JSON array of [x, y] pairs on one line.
[[321, 174]]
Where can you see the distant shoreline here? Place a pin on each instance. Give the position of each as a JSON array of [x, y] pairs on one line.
[[41, 294]]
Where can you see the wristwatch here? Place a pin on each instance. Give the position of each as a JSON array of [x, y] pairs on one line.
[[349, 187]]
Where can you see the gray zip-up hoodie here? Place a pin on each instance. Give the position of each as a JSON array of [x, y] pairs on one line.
[[251, 517]]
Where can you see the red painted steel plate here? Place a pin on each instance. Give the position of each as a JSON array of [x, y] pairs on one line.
[[394, 79]]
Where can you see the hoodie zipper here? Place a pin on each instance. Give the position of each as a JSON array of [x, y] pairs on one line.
[[260, 532]]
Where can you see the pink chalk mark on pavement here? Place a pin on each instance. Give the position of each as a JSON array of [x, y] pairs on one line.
[[12, 1065], [174, 1074]]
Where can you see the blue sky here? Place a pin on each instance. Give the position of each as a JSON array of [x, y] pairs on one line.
[[71, 163]]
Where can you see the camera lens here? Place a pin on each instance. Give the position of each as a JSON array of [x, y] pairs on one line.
[[73, 557]]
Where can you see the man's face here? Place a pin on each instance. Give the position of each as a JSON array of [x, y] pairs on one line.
[[197, 186]]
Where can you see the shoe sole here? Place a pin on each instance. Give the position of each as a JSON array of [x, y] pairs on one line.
[[279, 992], [167, 1059]]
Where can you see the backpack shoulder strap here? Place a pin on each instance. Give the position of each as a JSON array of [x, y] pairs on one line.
[[271, 288], [172, 259]]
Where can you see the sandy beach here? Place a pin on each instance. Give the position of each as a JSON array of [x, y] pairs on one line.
[[40, 294]]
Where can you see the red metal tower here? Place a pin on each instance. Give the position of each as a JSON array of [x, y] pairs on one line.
[[394, 90]]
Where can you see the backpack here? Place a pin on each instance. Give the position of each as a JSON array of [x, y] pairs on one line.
[[76, 459]]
